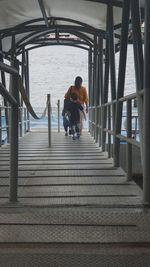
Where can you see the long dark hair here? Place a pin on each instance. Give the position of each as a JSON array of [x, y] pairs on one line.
[[78, 82]]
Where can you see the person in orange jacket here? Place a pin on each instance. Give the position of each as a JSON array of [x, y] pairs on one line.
[[82, 97]]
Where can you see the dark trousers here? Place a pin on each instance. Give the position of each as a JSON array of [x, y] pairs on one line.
[[75, 127], [66, 124]]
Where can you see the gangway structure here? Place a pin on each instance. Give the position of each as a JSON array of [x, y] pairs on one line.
[[65, 203]]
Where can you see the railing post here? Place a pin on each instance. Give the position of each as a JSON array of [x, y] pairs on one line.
[[20, 120], [93, 120], [89, 119], [96, 124], [27, 86], [14, 140], [0, 126], [58, 105], [49, 119], [7, 114], [109, 128], [100, 127], [129, 135], [104, 123], [25, 121], [95, 129]]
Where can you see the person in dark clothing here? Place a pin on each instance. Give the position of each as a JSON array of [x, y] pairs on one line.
[[74, 108], [66, 122]]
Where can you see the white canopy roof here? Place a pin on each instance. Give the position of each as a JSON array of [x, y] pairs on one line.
[[15, 12]]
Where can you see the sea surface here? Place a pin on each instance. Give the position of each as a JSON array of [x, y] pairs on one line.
[[53, 70]]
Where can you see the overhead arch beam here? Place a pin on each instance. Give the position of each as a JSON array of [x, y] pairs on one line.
[[77, 34], [57, 44], [7, 32], [113, 2]]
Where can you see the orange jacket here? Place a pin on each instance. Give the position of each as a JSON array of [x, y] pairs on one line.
[[81, 93]]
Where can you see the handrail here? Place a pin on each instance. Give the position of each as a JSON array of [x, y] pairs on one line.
[[100, 125], [22, 122], [122, 99], [7, 95], [8, 69]]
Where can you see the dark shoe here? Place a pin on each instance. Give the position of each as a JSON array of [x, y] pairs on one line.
[[70, 132]]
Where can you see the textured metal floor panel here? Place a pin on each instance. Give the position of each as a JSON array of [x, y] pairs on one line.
[[72, 234], [71, 194], [60, 161], [70, 173], [83, 190], [54, 158], [76, 216], [59, 192], [91, 180], [109, 201], [31, 258], [62, 167]]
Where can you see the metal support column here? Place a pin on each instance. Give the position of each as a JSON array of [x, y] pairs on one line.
[[95, 87], [121, 79], [112, 56], [100, 61], [27, 87], [14, 137], [90, 83], [3, 79], [146, 139], [106, 82], [138, 63]]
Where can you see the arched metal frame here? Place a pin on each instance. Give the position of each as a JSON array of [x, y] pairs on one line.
[[82, 37], [56, 44], [88, 39], [92, 40]]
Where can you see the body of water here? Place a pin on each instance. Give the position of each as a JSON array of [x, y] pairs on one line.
[[53, 70]]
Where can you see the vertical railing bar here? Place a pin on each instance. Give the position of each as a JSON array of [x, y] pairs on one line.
[[49, 119], [20, 117], [25, 121], [129, 135], [58, 105], [109, 128], [27, 87], [0, 127], [100, 126], [4, 83]]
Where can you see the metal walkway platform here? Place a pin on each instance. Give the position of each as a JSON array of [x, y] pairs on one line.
[[74, 209]]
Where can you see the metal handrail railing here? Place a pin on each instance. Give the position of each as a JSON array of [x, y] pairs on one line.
[[22, 122], [101, 123]]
